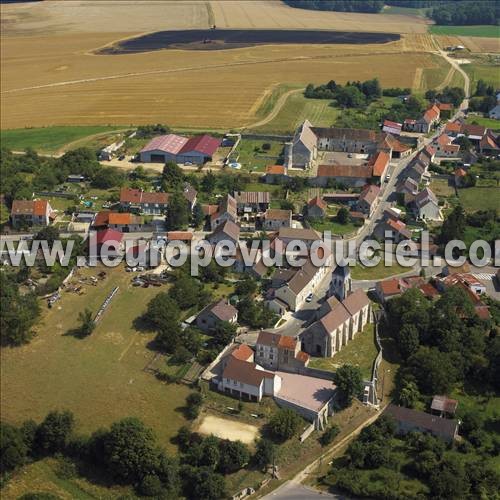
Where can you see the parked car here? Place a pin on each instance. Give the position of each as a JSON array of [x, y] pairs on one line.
[[309, 298]]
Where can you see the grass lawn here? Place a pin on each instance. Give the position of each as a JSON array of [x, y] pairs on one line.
[[41, 476], [483, 68], [480, 198], [253, 158], [360, 351], [100, 378], [330, 224], [489, 31], [378, 272], [48, 139], [485, 122], [441, 187], [296, 109]]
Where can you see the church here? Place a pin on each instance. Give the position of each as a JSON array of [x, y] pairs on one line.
[[339, 319]]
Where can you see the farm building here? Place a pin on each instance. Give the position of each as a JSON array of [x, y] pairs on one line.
[[178, 149]]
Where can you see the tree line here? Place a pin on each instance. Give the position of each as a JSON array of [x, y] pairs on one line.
[[352, 95]]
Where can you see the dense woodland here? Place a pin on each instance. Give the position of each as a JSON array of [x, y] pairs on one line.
[[440, 346], [442, 12]]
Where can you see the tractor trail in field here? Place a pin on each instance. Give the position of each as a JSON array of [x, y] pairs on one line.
[[194, 68]]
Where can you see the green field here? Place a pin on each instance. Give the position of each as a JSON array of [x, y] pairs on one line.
[[298, 108], [488, 31], [42, 476], [48, 139], [480, 198], [485, 122], [100, 378], [378, 272], [253, 158], [360, 351], [483, 68]]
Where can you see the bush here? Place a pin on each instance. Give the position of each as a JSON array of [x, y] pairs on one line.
[[329, 435], [193, 402], [66, 468], [151, 486], [285, 423]]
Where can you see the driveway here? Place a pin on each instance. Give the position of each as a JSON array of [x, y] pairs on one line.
[[293, 491]]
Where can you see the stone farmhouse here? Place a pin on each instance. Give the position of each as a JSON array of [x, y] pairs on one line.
[[31, 213], [303, 150], [227, 210], [279, 352], [238, 374], [425, 123], [252, 202], [122, 221], [338, 326], [426, 206], [275, 218], [214, 314], [154, 203], [414, 420], [316, 207], [350, 175]]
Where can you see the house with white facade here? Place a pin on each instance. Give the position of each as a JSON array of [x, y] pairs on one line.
[[426, 206], [215, 314], [31, 213]]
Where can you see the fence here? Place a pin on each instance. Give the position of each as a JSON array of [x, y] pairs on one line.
[[105, 304]]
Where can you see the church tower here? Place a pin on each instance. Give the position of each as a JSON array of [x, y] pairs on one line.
[[341, 283]]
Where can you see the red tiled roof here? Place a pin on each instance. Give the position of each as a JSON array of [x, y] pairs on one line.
[[443, 139], [460, 172], [287, 342], [390, 287], [102, 218], [428, 290], [204, 144], [40, 207], [353, 171], [242, 352], [276, 169], [369, 194], [454, 127], [106, 235], [209, 209], [431, 114], [277, 214], [302, 356], [137, 196], [445, 106], [380, 161], [119, 218], [317, 201], [179, 235], [246, 372]]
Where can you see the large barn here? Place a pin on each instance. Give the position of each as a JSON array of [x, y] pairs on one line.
[[180, 149]]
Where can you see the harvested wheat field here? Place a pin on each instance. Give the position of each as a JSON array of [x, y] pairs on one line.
[[58, 79], [481, 44]]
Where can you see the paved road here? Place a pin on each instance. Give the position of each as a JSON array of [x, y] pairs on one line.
[[293, 491]]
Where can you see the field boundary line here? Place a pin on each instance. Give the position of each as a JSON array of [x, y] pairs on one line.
[[201, 68]]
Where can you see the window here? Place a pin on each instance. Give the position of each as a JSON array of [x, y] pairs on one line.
[[271, 356]]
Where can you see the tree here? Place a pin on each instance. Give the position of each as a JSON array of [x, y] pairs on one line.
[[434, 370], [203, 484], [223, 333], [173, 176], [107, 177], [186, 291], [408, 340], [53, 433], [130, 451], [453, 227], [169, 337], [198, 216], [87, 323], [449, 480], [13, 449], [329, 435], [193, 405], [177, 213], [264, 452], [285, 423], [48, 234], [343, 216], [209, 182], [246, 287], [18, 313], [349, 382], [151, 486], [350, 97], [234, 455], [162, 311], [409, 395]]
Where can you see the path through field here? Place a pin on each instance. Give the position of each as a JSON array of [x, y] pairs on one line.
[[274, 112]]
